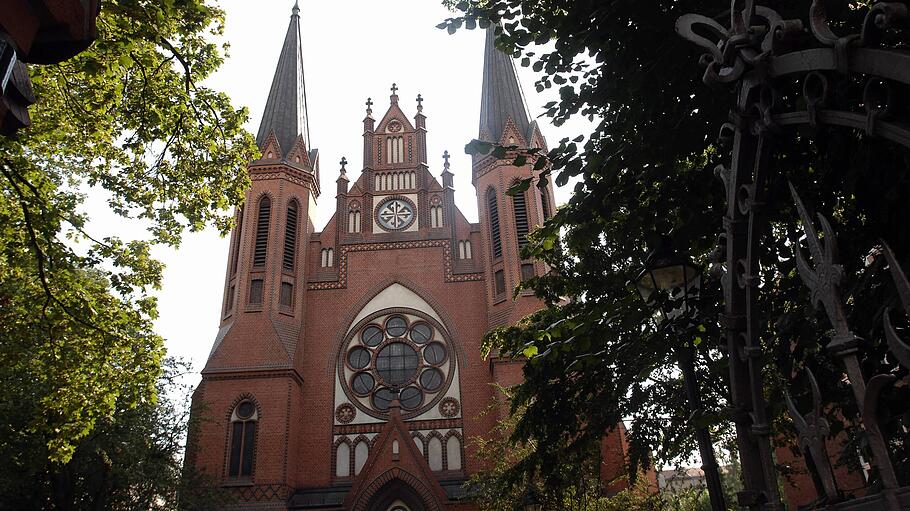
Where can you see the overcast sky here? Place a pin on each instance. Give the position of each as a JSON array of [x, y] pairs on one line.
[[351, 51]]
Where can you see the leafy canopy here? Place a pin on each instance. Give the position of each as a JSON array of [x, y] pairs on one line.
[[596, 355], [128, 119]]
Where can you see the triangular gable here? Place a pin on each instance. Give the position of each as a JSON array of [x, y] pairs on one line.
[[233, 353], [298, 155], [536, 138], [512, 132], [383, 464], [271, 149], [395, 113]]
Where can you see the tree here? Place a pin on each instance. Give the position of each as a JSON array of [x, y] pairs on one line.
[[595, 354], [128, 119], [130, 461]]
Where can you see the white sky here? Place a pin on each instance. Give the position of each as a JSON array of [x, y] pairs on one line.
[[352, 50]]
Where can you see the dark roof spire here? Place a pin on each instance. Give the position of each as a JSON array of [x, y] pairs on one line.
[[501, 98], [286, 110]]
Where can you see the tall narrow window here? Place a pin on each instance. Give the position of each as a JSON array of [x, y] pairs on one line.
[[434, 454], [343, 460], [521, 218], [493, 211], [545, 204], [453, 453], [527, 271], [256, 291], [286, 294], [243, 438], [290, 237], [235, 257], [499, 278], [361, 453], [262, 232]]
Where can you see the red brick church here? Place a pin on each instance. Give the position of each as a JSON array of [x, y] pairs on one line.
[[346, 373]]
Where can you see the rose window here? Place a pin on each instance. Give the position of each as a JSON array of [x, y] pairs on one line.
[[390, 354], [395, 214]]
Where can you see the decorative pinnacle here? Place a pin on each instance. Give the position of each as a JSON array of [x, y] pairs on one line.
[[343, 162], [369, 106], [296, 10], [445, 156], [420, 103], [394, 96]]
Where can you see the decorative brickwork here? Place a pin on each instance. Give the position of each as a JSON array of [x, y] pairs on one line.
[[446, 245]]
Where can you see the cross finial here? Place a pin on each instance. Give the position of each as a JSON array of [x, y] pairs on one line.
[[420, 101], [445, 156], [369, 106], [394, 89], [343, 162]]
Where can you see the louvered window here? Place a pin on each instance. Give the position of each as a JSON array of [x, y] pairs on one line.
[[262, 232], [493, 211], [521, 219], [545, 204], [238, 238], [290, 237]]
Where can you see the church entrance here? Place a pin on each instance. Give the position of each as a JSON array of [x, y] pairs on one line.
[[396, 496]]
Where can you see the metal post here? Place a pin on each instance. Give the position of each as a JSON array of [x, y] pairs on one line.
[[705, 447]]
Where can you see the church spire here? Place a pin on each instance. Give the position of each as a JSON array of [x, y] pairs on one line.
[[286, 110], [501, 98]]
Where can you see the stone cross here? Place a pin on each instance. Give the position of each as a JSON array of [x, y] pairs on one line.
[[369, 105], [343, 162], [419, 101], [394, 89], [445, 156]]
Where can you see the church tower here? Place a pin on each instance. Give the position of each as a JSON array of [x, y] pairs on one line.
[[252, 365], [347, 373], [507, 220]]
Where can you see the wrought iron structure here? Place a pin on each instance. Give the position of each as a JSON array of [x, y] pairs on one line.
[[759, 54]]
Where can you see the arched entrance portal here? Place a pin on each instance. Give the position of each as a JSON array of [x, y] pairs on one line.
[[396, 495]]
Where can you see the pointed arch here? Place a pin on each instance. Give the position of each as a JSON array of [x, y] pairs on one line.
[[493, 217], [289, 259], [396, 484], [520, 216], [260, 249], [238, 240], [342, 457]]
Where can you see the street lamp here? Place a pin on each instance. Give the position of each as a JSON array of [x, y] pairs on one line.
[[674, 275]]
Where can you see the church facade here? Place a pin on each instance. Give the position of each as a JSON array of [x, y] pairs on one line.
[[347, 372]]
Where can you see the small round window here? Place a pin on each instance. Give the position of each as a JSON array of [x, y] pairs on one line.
[[434, 353], [245, 410], [396, 326], [431, 379], [358, 358], [382, 398], [395, 214], [421, 333], [410, 398], [372, 336], [363, 383]]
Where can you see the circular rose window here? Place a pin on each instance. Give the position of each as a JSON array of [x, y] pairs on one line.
[[399, 353], [395, 214]]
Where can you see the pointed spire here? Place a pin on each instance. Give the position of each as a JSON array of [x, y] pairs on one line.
[[502, 98], [286, 110]]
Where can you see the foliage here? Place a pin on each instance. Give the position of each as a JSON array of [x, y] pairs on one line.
[[491, 491], [596, 355], [126, 120], [130, 461]]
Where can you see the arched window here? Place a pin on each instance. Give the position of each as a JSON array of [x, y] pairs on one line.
[[290, 237], [353, 221], [434, 454], [343, 460], [493, 212], [520, 208], [419, 443], [545, 203], [361, 453], [328, 257], [238, 239], [262, 232], [243, 439], [453, 453], [464, 249], [435, 216]]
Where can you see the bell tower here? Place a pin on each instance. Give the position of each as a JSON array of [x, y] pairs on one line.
[[507, 220], [252, 375]]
